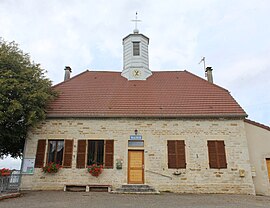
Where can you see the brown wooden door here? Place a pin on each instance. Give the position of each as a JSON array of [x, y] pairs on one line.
[[268, 166], [135, 166]]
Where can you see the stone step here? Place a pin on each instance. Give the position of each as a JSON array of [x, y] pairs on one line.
[[136, 189]]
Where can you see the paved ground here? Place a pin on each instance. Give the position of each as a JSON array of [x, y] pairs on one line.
[[42, 199]]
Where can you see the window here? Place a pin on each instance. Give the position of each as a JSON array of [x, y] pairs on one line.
[[217, 155], [55, 151], [58, 151], [176, 154], [136, 48], [95, 151]]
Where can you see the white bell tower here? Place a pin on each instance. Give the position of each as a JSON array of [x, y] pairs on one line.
[[135, 55]]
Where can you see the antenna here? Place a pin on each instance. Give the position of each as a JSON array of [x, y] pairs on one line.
[[203, 60], [136, 21]]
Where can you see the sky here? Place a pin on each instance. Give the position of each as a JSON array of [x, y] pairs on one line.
[[232, 35]]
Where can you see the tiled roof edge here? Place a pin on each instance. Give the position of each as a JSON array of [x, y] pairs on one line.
[[221, 116], [257, 124], [71, 78], [215, 85]]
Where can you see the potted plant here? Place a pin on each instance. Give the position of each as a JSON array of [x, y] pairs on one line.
[[51, 167], [95, 169], [5, 172]]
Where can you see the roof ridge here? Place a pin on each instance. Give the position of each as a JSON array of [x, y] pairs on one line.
[[257, 124]]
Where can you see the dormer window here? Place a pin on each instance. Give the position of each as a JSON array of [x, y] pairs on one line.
[[136, 48]]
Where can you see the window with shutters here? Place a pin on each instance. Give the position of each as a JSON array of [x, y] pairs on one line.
[[176, 154], [55, 151], [217, 154], [95, 152], [58, 151], [136, 48]]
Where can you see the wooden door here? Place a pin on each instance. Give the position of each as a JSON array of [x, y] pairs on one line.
[[268, 166], [135, 166]]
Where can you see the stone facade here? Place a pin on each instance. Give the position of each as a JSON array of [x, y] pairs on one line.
[[196, 178]]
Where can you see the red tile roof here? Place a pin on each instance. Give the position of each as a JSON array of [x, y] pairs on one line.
[[257, 124], [164, 94]]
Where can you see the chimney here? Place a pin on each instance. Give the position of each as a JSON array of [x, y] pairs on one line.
[[208, 73], [67, 73]]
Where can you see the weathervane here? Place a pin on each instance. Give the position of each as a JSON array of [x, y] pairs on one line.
[[136, 21], [203, 60]]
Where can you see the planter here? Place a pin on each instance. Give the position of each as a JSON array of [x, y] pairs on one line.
[[95, 170], [5, 174]]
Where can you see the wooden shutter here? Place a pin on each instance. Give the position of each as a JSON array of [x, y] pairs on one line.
[[81, 152], [171, 154], [221, 155], [268, 167], [109, 151], [40, 153], [217, 155], [68, 152], [176, 154], [180, 154]]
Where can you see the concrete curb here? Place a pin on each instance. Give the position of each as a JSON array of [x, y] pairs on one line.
[[9, 195]]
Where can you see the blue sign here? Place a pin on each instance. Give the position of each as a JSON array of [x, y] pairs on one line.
[[135, 137]]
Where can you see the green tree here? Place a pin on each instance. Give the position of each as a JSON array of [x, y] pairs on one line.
[[24, 95]]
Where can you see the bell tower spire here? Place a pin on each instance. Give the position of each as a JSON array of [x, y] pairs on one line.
[[136, 31], [135, 55]]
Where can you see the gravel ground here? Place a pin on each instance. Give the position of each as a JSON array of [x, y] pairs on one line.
[[42, 199]]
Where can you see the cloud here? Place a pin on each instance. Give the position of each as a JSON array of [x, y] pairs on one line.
[[232, 35]]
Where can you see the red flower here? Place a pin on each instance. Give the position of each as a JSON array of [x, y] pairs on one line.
[[95, 169]]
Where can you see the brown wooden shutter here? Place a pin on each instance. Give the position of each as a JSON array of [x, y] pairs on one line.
[[217, 155], [171, 154], [68, 152], [40, 153], [180, 154], [221, 155], [109, 151], [81, 152], [176, 154]]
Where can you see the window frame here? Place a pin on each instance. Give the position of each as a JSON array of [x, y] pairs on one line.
[[55, 154], [136, 46], [96, 149]]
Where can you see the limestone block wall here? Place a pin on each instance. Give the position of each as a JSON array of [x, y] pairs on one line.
[[197, 177]]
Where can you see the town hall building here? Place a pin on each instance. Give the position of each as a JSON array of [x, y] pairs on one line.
[[169, 130]]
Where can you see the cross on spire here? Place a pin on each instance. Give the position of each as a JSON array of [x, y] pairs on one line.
[[136, 21]]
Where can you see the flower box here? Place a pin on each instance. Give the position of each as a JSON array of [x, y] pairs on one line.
[[51, 167], [95, 169], [5, 172]]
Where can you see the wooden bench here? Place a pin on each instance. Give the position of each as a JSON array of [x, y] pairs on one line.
[[88, 187]]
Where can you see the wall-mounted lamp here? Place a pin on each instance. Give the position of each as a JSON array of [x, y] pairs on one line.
[[136, 131]]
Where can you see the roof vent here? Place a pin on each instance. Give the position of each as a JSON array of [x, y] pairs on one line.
[[67, 73]]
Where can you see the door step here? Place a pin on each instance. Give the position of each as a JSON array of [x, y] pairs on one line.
[[136, 189]]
